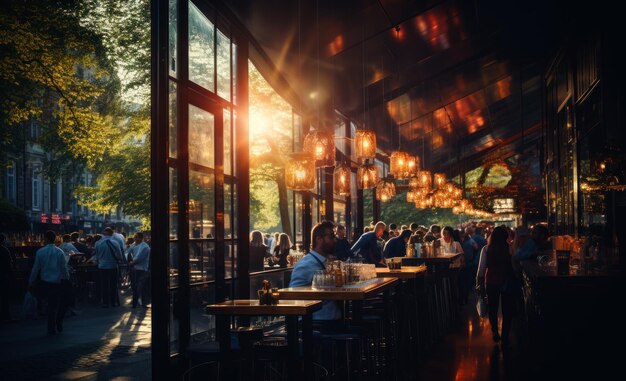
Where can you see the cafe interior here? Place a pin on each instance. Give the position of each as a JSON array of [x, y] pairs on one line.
[[506, 112]]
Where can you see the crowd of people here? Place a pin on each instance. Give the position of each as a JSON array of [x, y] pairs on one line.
[[53, 281], [489, 262]]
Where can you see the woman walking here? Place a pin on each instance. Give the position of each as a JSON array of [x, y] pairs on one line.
[[494, 278]]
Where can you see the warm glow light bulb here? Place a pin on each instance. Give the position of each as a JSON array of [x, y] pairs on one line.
[[300, 174], [319, 150], [366, 144]]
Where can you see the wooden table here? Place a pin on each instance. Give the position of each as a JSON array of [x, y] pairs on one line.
[[291, 309], [350, 292], [355, 293], [406, 272]]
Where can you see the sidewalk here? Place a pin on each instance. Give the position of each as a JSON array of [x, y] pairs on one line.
[[97, 344]]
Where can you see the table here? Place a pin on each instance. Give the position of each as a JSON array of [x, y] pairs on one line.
[[291, 309], [412, 306], [355, 293]]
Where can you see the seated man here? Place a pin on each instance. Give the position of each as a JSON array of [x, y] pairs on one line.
[[323, 242]]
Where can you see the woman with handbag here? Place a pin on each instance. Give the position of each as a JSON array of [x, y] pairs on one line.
[[494, 277]]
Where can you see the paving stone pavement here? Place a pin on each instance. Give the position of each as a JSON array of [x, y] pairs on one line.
[[97, 344]]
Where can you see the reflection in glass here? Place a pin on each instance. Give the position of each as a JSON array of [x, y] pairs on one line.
[[173, 203], [173, 264], [201, 205], [201, 261], [223, 66], [227, 145], [201, 54], [174, 322], [202, 325], [173, 11], [173, 123], [228, 231], [201, 137]]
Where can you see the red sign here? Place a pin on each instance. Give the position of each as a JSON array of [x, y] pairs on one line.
[[44, 218], [56, 219]]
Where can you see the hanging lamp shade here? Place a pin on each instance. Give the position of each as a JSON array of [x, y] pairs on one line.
[[321, 145], [439, 180], [367, 176], [365, 144], [385, 190], [424, 179], [410, 196], [456, 209], [412, 165], [342, 177], [414, 182], [300, 171], [398, 164]]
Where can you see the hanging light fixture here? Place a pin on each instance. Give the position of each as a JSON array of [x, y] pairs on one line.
[[321, 145], [412, 165], [414, 182], [398, 164], [367, 176], [365, 144], [342, 177], [439, 180], [424, 179], [300, 171], [385, 190]]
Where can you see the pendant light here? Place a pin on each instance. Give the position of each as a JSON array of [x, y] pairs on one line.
[[412, 165], [439, 180], [365, 144], [385, 189], [367, 176], [398, 164], [320, 145], [342, 176], [424, 179], [300, 171]]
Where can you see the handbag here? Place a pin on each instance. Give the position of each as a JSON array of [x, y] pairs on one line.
[[482, 307]]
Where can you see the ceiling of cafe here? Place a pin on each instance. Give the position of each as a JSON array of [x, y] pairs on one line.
[[448, 80]]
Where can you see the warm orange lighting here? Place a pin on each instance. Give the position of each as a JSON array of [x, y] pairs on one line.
[[398, 164], [413, 182], [385, 190], [413, 165], [300, 171], [322, 145], [439, 180], [342, 175], [425, 180], [367, 176], [365, 144]]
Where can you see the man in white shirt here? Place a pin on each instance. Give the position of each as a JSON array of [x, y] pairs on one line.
[[119, 239], [140, 262], [108, 255], [51, 267]]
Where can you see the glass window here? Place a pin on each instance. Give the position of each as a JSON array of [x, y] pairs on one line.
[[228, 213], [173, 18], [271, 139], [299, 223], [10, 191], [175, 308], [173, 209], [201, 49], [36, 187], [228, 169], [234, 60], [201, 137], [223, 65], [173, 123], [201, 205], [201, 261], [202, 324], [59, 195], [340, 132], [173, 264]]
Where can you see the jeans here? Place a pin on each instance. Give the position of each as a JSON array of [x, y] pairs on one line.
[[494, 294]]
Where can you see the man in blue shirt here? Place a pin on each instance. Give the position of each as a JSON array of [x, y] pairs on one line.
[[396, 247], [140, 254], [108, 255], [51, 267], [323, 241], [367, 245]]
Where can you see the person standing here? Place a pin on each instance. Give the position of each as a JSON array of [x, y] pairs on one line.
[[281, 250], [108, 255], [51, 267], [396, 246], [495, 271], [367, 245], [258, 251], [140, 254]]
